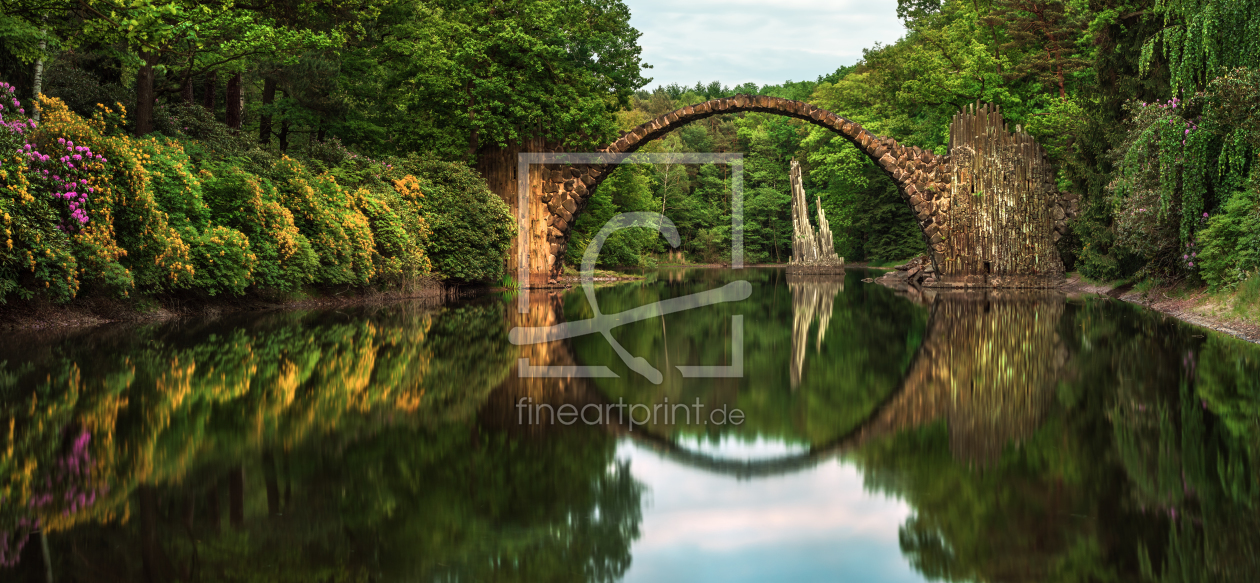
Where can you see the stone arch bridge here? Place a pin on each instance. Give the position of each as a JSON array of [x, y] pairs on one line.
[[988, 210]]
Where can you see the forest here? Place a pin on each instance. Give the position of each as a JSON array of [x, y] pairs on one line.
[[223, 147]]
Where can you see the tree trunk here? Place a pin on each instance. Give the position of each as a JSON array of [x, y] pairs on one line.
[[212, 87], [264, 122], [145, 94], [273, 485], [284, 136], [43, 544], [186, 92], [236, 497], [39, 69], [235, 103], [212, 508], [151, 555]]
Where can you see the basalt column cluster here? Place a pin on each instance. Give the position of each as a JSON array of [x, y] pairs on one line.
[[999, 226], [813, 250]]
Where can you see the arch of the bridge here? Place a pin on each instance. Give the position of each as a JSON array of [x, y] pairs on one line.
[[922, 177]]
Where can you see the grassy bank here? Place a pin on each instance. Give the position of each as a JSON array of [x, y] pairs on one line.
[[1233, 310]]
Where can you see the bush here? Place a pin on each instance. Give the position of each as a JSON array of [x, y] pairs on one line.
[[1231, 241], [222, 261], [471, 228], [399, 230], [82, 201], [327, 216], [285, 260]]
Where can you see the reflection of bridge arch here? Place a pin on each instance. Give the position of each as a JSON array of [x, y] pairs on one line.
[[988, 366]]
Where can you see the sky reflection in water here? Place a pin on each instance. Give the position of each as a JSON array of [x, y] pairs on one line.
[[817, 525]]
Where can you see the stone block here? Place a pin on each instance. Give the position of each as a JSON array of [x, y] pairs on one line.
[[568, 185], [886, 162], [569, 204], [588, 180]]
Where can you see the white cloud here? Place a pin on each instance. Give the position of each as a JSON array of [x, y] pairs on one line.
[[737, 41]]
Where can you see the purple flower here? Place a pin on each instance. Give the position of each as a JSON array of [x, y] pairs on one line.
[[1205, 215], [1191, 264]]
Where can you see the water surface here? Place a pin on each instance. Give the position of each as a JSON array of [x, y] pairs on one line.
[[969, 437]]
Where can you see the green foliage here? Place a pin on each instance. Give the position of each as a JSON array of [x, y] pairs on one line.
[[1231, 241], [326, 214], [471, 228], [162, 215], [251, 204]]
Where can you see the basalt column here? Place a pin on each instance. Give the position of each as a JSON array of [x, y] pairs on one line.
[[997, 226], [812, 250]]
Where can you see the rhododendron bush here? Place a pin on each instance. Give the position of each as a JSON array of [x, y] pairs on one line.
[[88, 208]]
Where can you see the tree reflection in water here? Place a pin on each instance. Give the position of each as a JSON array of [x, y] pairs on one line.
[[1035, 438], [302, 446]]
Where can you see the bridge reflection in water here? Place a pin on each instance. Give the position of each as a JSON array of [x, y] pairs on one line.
[[987, 366]]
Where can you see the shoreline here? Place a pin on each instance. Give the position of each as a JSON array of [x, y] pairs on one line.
[[39, 315], [1197, 308]]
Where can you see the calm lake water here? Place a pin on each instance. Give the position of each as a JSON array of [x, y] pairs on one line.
[[842, 433]]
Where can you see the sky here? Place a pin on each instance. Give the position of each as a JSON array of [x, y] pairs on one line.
[[737, 41]]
